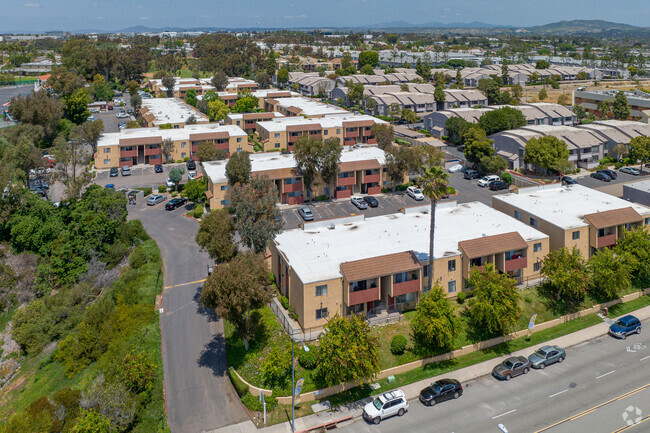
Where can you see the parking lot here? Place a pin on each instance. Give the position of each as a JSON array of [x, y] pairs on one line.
[[590, 182], [142, 176]]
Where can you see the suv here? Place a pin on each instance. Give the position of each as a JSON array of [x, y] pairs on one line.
[[486, 180], [415, 193], [359, 202], [386, 405], [610, 173], [625, 326], [306, 213], [498, 185], [471, 174], [113, 172], [191, 165], [126, 171]]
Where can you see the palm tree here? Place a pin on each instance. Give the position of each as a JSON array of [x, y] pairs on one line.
[[435, 185]]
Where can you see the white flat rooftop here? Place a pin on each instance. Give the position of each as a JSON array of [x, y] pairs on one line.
[[310, 107], [566, 207], [172, 110], [113, 138], [336, 121], [216, 170], [643, 185], [316, 254]]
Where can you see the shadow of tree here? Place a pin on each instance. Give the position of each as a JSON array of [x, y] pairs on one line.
[[214, 356], [208, 312]]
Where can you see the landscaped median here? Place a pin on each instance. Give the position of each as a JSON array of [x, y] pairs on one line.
[[466, 356]]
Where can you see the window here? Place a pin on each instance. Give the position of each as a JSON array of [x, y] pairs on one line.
[[321, 313], [176, 126], [518, 215], [575, 235], [425, 270], [537, 247], [183, 144], [338, 130], [107, 161], [225, 202], [451, 286], [399, 278], [277, 135], [407, 297], [183, 155], [533, 222], [239, 139], [537, 266], [451, 265], [325, 131], [224, 187], [647, 221], [321, 290], [107, 150]]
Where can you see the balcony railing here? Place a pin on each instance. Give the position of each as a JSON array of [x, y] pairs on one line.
[[346, 181], [249, 125], [372, 141], [514, 264], [291, 187], [362, 296], [606, 241], [367, 133], [345, 193], [371, 178], [351, 134], [406, 287], [154, 151], [128, 153]]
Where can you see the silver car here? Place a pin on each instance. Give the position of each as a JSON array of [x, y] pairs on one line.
[[306, 213], [155, 199], [359, 202], [546, 355]]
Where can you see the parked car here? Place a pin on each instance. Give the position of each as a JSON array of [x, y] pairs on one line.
[[415, 193], [121, 125], [567, 180], [191, 165], [113, 172], [444, 389], [170, 183], [175, 203], [126, 170], [122, 115], [546, 355], [372, 202], [511, 367], [158, 168], [472, 174], [486, 180], [386, 405], [601, 176], [455, 168], [625, 326], [498, 185], [610, 173], [155, 199], [306, 213], [630, 170], [359, 202], [191, 175], [91, 119]]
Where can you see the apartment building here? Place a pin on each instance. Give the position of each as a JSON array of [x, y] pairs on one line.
[[310, 83], [358, 265], [394, 78], [638, 100], [638, 192], [350, 129], [300, 106], [262, 95], [169, 111], [361, 171], [424, 103], [248, 121], [143, 146], [341, 92], [573, 216], [539, 113], [201, 86]]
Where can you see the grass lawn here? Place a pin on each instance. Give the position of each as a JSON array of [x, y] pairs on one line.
[[186, 73]]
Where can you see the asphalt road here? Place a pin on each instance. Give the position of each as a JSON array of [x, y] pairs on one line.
[[198, 391], [597, 389]]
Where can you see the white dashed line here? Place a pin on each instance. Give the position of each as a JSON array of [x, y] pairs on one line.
[[557, 393], [603, 375], [644, 358], [503, 414]]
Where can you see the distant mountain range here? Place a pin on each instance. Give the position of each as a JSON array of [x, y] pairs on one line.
[[430, 25], [582, 26]]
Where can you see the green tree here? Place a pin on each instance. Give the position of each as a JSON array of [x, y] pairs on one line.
[[621, 108], [371, 105], [217, 110], [39, 109], [636, 245], [132, 87], [283, 77], [215, 235], [434, 325], [456, 128], [237, 287], [190, 97], [563, 99], [76, 106], [32, 326], [138, 372], [368, 58], [89, 421], [329, 162], [65, 82], [493, 164], [567, 276], [307, 152], [494, 308], [609, 274], [542, 94], [136, 102], [477, 145], [517, 93], [347, 351], [257, 216], [275, 366], [546, 152], [621, 151], [580, 112], [220, 81], [238, 168], [176, 175], [502, 119], [409, 116], [542, 64], [384, 134], [72, 160], [493, 92], [367, 70], [439, 92], [423, 69], [505, 76], [435, 185], [640, 149], [604, 108], [355, 92], [246, 103], [166, 148], [207, 152], [168, 82], [459, 79], [263, 79], [195, 189]]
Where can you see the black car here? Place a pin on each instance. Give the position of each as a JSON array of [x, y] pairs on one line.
[[498, 185], [566, 180], [472, 174], [114, 172], [372, 202], [158, 168], [191, 165], [175, 203], [444, 389], [610, 173], [601, 176]]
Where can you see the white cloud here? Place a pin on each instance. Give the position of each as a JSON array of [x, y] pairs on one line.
[[32, 5], [140, 7], [99, 18], [144, 18], [205, 16], [295, 16]]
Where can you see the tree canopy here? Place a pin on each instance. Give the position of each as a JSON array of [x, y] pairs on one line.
[[434, 326], [546, 152], [238, 168], [501, 119], [567, 275], [215, 235]]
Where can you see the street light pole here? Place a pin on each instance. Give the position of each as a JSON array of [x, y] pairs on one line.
[[293, 390]]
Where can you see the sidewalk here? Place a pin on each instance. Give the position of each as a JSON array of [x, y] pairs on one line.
[[412, 391]]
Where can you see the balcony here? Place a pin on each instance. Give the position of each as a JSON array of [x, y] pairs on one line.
[[406, 287], [293, 138], [351, 134], [349, 141], [128, 153], [514, 264], [606, 241], [249, 125], [372, 141], [346, 181], [223, 146], [374, 190], [345, 193], [362, 296], [291, 187], [367, 133], [372, 178], [153, 151]]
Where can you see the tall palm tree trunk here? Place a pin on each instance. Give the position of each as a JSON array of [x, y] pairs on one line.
[[431, 233]]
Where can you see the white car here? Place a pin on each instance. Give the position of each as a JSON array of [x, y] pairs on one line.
[[455, 168], [359, 202], [170, 183], [415, 193], [386, 405], [191, 175], [486, 180]]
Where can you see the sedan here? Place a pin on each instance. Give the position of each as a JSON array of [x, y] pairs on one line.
[[610, 173], [158, 168], [170, 183], [155, 199], [415, 193], [498, 185], [455, 168], [114, 172], [306, 213], [175, 203], [630, 170], [511, 367], [567, 180], [442, 390], [372, 202], [601, 176], [546, 355], [359, 202]]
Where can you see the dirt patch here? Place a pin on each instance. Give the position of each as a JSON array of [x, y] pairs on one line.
[[531, 92]]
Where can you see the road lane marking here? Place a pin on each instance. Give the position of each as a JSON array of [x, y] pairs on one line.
[[184, 284], [627, 427], [620, 397], [557, 393], [644, 358], [503, 414], [603, 375]]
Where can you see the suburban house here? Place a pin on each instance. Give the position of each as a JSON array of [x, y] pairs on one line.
[[357, 265], [574, 215], [169, 111]]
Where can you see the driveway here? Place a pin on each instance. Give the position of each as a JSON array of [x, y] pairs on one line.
[[198, 391]]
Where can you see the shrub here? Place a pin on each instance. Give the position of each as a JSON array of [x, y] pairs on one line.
[[321, 198], [187, 158], [307, 359], [452, 190], [425, 132], [461, 297], [174, 193], [179, 161], [162, 188], [507, 177], [275, 366], [138, 372], [115, 253], [285, 302], [398, 344], [402, 142], [240, 387], [130, 231], [252, 402], [198, 211], [138, 258], [444, 138], [147, 191]]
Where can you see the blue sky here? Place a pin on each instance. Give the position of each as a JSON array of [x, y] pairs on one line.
[[70, 15]]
